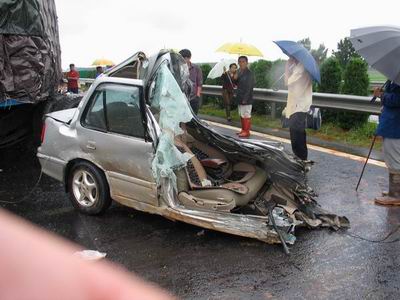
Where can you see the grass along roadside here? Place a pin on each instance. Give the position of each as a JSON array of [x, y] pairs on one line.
[[376, 76], [361, 137]]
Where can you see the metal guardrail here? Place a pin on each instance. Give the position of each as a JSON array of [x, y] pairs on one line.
[[86, 80], [375, 84], [343, 102], [334, 101]]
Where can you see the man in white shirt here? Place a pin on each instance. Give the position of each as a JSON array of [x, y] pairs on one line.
[[299, 101]]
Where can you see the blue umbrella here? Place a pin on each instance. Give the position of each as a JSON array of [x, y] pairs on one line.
[[300, 53]]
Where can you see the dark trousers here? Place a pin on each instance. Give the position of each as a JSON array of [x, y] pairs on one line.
[[195, 104], [227, 95], [298, 137], [73, 90]]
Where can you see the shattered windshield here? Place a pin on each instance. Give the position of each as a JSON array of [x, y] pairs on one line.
[[172, 105], [180, 70]]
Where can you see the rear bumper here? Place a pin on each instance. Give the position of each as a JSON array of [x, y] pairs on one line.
[[51, 166]]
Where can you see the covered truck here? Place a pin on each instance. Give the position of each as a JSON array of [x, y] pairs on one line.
[[30, 66]]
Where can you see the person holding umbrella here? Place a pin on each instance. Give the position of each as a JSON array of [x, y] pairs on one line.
[[229, 79], [299, 101], [380, 47], [244, 95], [389, 129], [301, 69], [245, 82]]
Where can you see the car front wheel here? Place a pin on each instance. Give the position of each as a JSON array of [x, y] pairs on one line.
[[88, 189]]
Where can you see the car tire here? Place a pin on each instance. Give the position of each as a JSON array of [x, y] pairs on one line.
[[88, 189]]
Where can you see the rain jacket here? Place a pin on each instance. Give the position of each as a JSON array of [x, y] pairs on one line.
[[228, 82], [389, 120], [245, 86]]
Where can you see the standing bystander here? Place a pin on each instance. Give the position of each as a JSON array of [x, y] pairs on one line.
[[99, 71], [196, 76], [389, 129], [299, 102], [229, 79], [73, 78], [244, 95]]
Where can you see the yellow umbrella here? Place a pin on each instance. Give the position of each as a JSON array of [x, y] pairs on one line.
[[103, 62], [240, 48]]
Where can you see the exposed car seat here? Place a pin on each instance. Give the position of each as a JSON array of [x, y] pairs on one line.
[[240, 184]]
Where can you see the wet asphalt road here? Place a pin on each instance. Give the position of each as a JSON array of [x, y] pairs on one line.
[[201, 264]]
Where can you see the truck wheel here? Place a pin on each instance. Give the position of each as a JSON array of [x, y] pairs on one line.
[[67, 101], [88, 189], [61, 102]]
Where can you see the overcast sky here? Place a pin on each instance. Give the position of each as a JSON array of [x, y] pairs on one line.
[[116, 29]]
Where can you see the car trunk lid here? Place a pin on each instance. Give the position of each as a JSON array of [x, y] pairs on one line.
[[63, 116]]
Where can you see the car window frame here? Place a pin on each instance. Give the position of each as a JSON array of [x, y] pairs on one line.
[[93, 97]]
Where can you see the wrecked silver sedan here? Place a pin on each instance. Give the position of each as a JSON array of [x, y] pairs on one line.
[[135, 140]]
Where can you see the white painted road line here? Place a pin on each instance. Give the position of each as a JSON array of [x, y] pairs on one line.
[[313, 147]]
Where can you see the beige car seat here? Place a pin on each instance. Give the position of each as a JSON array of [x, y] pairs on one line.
[[240, 184]]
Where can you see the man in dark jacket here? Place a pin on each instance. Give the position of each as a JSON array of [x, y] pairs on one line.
[[244, 96], [389, 129], [196, 76]]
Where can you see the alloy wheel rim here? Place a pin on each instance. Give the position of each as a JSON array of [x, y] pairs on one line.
[[85, 188]]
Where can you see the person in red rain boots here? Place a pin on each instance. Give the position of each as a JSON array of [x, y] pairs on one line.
[[244, 96]]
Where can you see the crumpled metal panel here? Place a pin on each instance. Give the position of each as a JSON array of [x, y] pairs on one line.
[[287, 175], [30, 56], [243, 225]]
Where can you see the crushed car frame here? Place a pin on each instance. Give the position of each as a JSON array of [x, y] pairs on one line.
[[134, 139]]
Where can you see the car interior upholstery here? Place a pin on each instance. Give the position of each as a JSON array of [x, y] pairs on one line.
[[211, 181], [129, 71]]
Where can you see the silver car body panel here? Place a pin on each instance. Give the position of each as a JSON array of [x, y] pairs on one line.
[[125, 160], [66, 140], [52, 166]]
